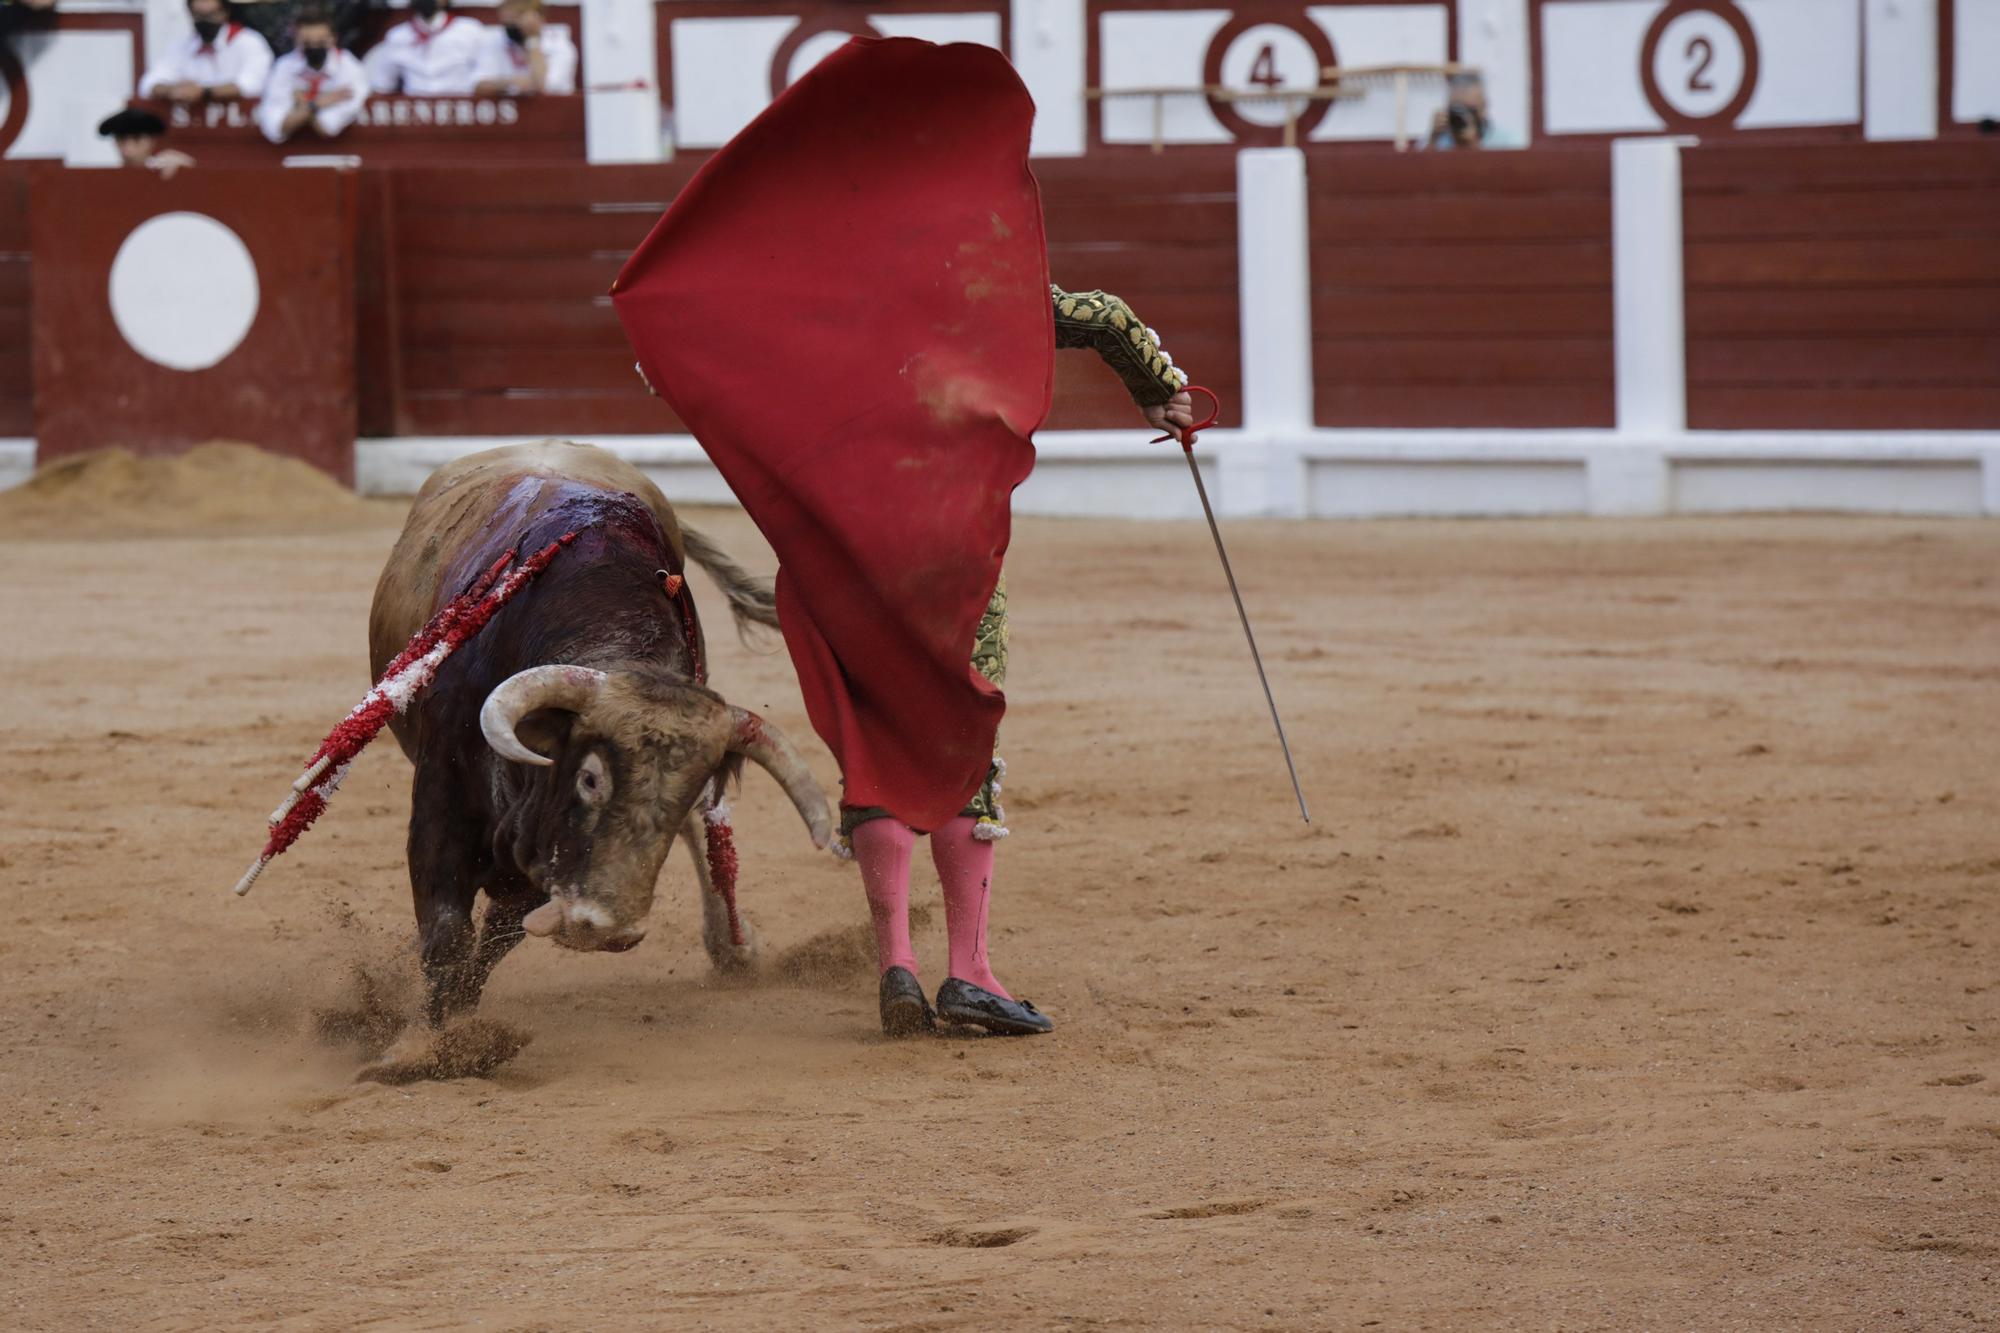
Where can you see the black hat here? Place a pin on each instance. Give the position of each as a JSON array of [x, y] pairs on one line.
[[132, 123]]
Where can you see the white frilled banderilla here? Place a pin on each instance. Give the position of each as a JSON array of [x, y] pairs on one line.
[[413, 669]]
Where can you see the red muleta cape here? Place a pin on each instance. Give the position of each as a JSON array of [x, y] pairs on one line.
[[849, 307]]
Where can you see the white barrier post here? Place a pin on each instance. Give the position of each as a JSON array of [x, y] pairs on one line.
[[1649, 331], [621, 100], [1899, 65], [1048, 50], [1275, 278]]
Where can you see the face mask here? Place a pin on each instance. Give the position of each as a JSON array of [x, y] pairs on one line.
[[426, 9], [516, 36], [206, 29], [315, 56]]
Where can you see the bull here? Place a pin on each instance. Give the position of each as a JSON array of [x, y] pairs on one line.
[[560, 751]]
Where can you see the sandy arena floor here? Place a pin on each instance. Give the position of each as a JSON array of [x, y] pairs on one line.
[[1642, 972]]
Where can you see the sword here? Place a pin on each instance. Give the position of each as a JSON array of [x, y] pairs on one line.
[[1215, 531]]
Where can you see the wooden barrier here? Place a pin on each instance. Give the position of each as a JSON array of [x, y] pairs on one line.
[[484, 311], [1850, 287], [484, 307], [392, 131], [1165, 240], [17, 362], [216, 305], [1462, 289], [1844, 288]]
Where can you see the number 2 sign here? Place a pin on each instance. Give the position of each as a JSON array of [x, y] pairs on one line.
[[1698, 63]]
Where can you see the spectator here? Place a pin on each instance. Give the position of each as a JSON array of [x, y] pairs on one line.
[[525, 55], [430, 55], [220, 61], [316, 83], [1462, 123], [137, 132]]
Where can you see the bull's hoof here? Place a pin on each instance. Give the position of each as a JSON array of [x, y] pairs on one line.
[[962, 1002], [469, 1048], [724, 954], [905, 1011]]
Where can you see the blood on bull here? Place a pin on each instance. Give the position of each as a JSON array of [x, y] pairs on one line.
[[560, 753]]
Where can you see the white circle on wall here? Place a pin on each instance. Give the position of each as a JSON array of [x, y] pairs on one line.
[[1699, 63], [813, 50], [183, 290], [1265, 58]]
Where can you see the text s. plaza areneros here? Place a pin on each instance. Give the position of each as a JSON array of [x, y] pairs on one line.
[[381, 112]]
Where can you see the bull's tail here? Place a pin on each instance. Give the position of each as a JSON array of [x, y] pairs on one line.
[[752, 600]]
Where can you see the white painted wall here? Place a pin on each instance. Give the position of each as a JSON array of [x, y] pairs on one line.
[[1381, 474], [75, 80], [1976, 56], [1493, 34], [621, 110], [1384, 35], [1048, 45]]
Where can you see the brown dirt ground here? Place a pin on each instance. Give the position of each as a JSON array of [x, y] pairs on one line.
[[1642, 971]]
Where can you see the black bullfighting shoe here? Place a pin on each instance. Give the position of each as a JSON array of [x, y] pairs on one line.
[[905, 1011], [963, 1002]]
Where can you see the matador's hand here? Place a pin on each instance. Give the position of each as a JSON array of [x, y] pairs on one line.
[[1173, 416]]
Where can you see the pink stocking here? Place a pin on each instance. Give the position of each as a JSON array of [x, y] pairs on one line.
[[965, 868], [883, 847]]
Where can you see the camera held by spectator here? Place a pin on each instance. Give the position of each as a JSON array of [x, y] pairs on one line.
[[138, 132], [1462, 123], [315, 84], [526, 54], [431, 54], [220, 61]]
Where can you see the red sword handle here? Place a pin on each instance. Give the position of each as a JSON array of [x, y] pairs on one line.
[[1214, 411]]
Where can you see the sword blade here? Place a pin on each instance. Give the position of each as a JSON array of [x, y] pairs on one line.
[[1215, 531]]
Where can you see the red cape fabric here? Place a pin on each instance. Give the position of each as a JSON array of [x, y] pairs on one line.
[[849, 307]]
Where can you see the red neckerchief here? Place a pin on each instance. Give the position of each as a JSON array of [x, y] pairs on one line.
[[228, 35], [424, 35]]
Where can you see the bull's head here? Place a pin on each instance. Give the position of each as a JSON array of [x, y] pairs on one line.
[[623, 756]]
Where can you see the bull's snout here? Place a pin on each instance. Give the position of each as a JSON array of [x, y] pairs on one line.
[[580, 925]]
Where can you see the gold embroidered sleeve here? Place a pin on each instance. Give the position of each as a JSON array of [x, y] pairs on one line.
[[1107, 325], [989, 647]]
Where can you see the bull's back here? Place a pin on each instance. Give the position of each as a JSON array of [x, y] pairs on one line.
[[474, 509]]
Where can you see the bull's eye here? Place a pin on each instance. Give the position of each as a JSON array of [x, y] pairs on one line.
[[593, 780]]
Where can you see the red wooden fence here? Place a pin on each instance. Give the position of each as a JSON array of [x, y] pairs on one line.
[[17, 359], [485, 307], [1851, 287], [1462, 289], [484, 311], [1165, 240]]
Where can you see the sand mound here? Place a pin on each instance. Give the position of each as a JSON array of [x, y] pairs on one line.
[[835, 957], [468, 1048], [211, 490]]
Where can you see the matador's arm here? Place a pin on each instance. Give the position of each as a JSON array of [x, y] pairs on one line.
[[1107, 325]]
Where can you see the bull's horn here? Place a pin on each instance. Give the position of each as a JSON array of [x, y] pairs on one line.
[[754, 738], [569, 687]]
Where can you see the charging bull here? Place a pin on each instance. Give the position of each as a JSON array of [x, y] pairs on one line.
[[562, 749]]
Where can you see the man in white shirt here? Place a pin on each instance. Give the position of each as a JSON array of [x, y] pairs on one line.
[[525, 55], [219, 61], [315, 83], [429, 55]]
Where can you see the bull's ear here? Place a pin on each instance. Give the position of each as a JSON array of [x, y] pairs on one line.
[[546, 731], [728, 773], [571, 688]]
